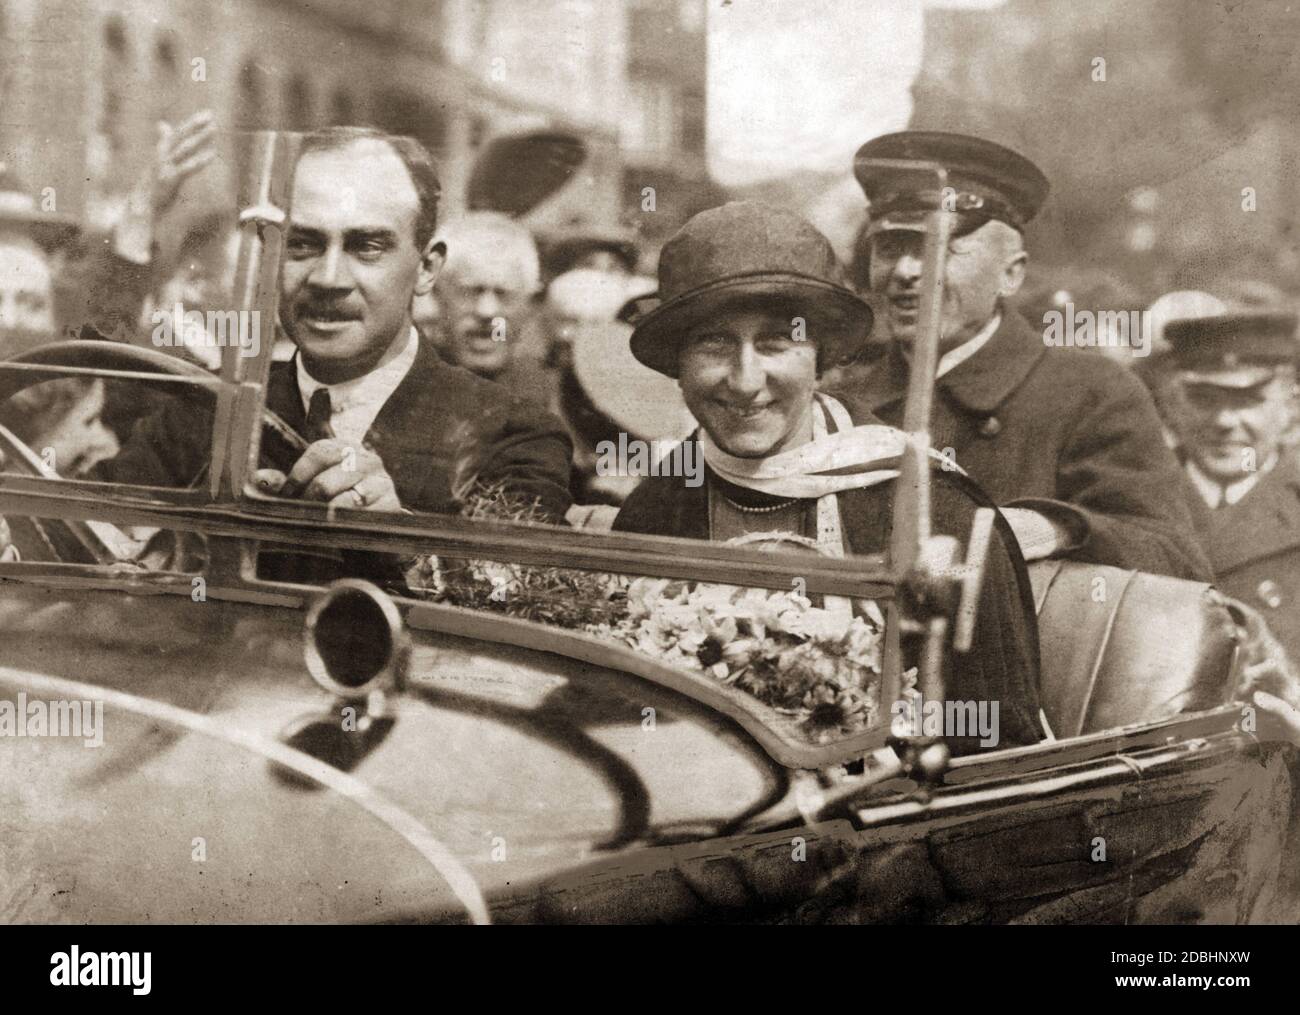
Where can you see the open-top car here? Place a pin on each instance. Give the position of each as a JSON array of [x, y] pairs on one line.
[[233, 706]]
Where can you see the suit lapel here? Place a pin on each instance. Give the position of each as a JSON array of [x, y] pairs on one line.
[[981, 383], [409, 433], [404, 434], [404, 412], [993, 374], [1264, 522]]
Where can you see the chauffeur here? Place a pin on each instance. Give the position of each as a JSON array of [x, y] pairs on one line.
[[1238, 375], [1069, 436]]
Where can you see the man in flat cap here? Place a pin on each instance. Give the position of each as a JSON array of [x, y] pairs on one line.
[[1238, 377], [1066, 441], [751, 305]]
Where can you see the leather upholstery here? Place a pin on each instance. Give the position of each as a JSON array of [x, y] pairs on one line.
[[1120, 647]]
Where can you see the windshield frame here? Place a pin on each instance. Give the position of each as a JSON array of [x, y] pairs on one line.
[[238, 518]]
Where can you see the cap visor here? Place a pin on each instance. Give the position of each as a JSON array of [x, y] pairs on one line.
[[1237, 378], [913, 222]]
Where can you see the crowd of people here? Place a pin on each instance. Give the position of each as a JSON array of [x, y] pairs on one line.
[[419, 360]]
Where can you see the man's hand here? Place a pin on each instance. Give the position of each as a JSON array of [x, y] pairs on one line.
[[182, 151], [335, 472]]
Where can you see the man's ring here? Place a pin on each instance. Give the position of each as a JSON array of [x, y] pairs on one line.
[[362, 501]]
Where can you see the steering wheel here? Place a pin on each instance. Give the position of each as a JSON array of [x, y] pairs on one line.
[[76, 539]]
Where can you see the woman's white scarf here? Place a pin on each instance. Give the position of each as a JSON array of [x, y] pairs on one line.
[[852, 458]]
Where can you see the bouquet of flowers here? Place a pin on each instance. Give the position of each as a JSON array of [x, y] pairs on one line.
[[564, 597], [819, 665]]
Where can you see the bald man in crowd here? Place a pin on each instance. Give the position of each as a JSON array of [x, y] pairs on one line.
[[485, 297]]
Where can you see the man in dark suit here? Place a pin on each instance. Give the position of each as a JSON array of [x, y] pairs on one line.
[[1237, 372], [1066, 441], [389, 426], [751, 304]]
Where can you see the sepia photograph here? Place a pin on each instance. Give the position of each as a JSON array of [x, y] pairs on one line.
[[649, 462]]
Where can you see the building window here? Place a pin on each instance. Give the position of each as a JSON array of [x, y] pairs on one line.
[[165, 55], [480, 25], [250, 113], [343, 110], [693, 123], [117, 74], [115, 38], [477, 132], [648, 128], [298, 104]]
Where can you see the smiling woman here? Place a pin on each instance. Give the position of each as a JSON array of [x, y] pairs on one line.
[[753, 302]]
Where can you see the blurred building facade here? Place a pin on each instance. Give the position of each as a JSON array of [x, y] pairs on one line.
[[1168, 129], [665, 179], [83, 83]]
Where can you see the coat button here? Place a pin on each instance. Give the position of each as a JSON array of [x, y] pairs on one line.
[[991, 427], [1269, 593]]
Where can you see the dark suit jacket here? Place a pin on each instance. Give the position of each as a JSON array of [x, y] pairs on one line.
[[1254, 547], [1003, 663], [442, 426], [1037, 426]]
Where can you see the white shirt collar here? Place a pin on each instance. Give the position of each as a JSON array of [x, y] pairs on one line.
[[354, 404], [955, 357], [1215, 493]]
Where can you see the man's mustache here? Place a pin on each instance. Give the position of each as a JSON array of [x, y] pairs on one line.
[[328, 311]]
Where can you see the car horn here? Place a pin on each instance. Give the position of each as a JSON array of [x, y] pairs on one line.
[[355, 642], [357, 649]]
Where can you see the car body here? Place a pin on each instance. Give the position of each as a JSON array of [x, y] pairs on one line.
[[460, 765]]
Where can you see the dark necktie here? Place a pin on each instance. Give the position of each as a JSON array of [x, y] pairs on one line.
[[317, 426]]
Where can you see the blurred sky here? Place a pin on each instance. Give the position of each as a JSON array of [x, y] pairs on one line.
[[798, 86]]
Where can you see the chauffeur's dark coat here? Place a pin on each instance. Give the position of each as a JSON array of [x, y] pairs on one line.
[[1032, 423], [1002, 665], [1254, 547], [441, 423]]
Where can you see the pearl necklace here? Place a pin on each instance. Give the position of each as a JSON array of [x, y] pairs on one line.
[[760, 510]]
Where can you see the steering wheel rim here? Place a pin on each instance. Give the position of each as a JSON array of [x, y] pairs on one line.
[[104, 355], [107, 355]]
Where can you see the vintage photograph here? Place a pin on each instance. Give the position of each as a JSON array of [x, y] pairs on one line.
[[649, 462]]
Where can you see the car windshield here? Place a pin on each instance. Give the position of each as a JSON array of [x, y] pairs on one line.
[[751, 623], [205, 446]]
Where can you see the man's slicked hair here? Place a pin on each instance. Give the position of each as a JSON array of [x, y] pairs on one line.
[[419, 164]]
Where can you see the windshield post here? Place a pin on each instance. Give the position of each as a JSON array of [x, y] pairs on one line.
[[911, 530], [244, 368]]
